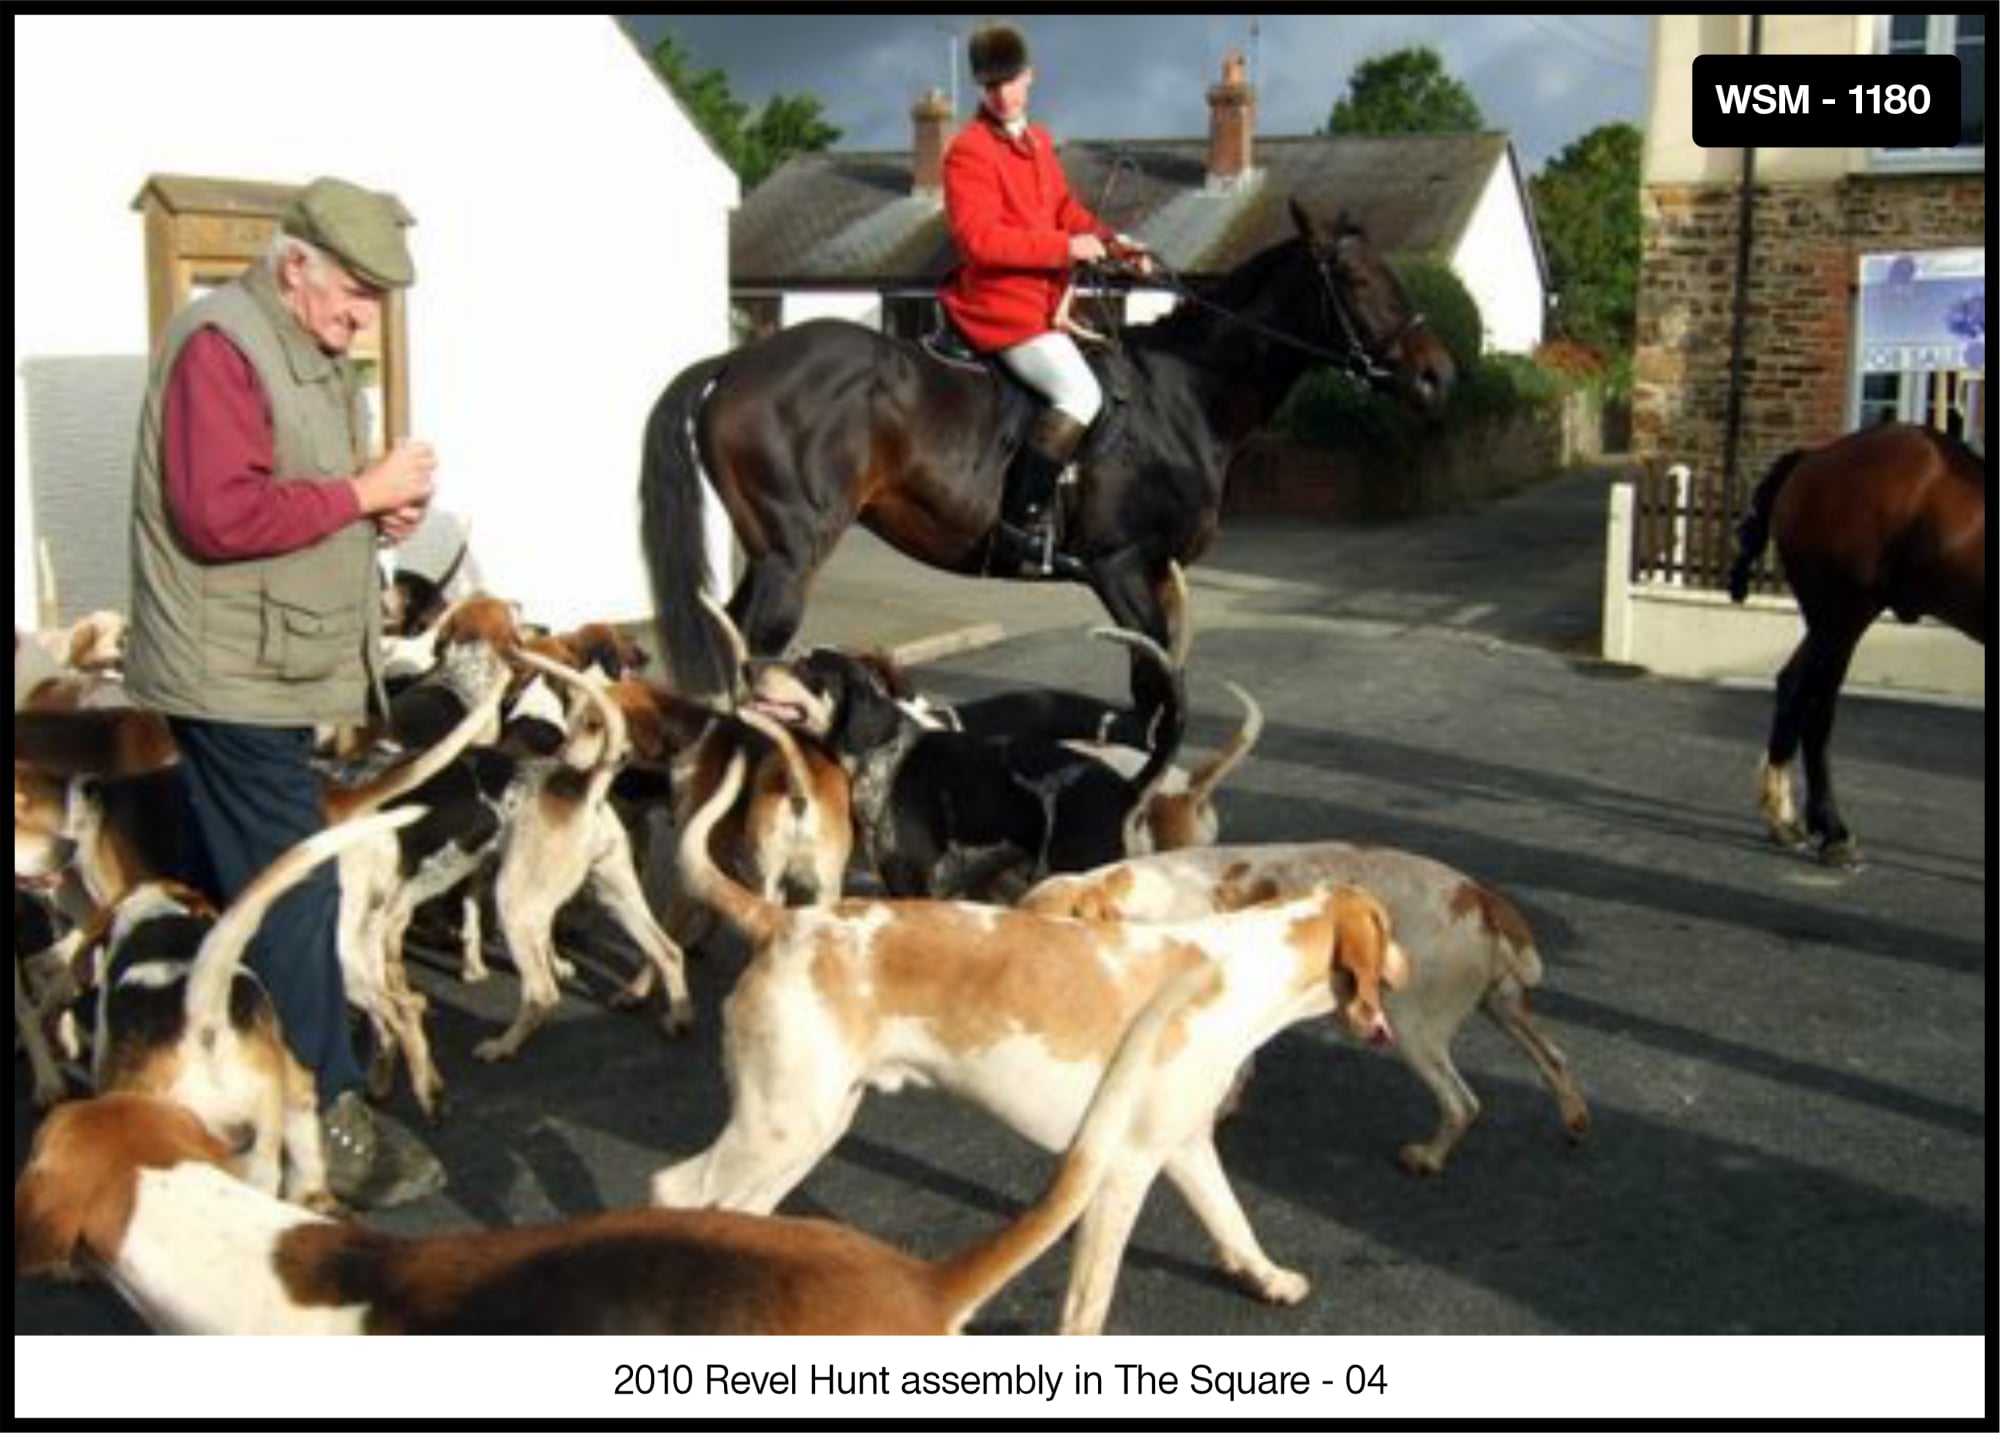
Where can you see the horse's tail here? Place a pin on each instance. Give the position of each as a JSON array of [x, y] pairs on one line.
[[1755, 529], [673, 532]]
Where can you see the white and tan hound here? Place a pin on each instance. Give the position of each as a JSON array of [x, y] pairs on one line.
[[1469, 948], [135, 1188], [1019, 1013]]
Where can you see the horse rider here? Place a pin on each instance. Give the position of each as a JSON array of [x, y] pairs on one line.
[[1018, 230]]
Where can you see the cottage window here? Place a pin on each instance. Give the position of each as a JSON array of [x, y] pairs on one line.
[[1960, 35]]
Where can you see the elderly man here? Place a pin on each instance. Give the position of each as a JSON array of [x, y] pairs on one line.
[[255, 605]]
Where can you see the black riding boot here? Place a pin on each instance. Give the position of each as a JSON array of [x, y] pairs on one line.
[[1027, 530]]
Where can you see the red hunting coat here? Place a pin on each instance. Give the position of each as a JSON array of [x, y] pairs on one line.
[[1011, 215]]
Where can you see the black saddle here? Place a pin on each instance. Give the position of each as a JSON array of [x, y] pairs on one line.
[[1020, 404]]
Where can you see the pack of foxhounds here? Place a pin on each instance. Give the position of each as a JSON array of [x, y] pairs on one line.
[[1024, 901]]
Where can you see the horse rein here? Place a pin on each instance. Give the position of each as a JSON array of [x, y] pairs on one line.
[[1358, 361]]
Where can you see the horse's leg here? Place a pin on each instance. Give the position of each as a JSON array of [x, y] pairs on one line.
[[1830, 647], [1130, 592], [770, 602], [1774, 776]]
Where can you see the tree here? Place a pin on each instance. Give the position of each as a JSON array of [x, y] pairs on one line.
[[752, 146], [1405, 92], [787, 125], [1587, 209]]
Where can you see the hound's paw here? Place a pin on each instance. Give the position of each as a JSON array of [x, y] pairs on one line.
[[1274, 1285], [492, 1051]]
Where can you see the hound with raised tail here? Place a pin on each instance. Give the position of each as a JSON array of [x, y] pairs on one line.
[[561, 836], [202, 1032], [135, 1187], [1019, 1013], [948, 814], [1469, 947]]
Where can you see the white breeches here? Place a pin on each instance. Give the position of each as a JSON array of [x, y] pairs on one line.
[[1054, 367]]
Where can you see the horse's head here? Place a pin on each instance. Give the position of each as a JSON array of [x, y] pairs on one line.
[[1369, 319]]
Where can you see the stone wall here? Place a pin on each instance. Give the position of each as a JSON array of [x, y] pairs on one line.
[[1807, 240], [1465, 466]]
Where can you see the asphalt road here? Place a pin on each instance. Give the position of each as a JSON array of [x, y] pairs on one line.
[[1787, 1066]]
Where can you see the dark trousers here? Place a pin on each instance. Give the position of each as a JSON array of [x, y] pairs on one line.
[[251, 795]]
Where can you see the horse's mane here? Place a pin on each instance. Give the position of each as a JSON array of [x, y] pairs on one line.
[[1190, 325]]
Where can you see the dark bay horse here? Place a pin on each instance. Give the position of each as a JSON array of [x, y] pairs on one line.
[[1890, 519], [829, 423]]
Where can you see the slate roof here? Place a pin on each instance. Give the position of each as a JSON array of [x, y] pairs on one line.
[[849, 220]]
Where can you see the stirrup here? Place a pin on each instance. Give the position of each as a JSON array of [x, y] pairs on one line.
[[1034, 552]]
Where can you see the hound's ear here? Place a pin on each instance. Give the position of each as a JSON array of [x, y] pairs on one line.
[[1395, 964], [48, 1224], [868, 718], [1363, 945], [53, 1199]]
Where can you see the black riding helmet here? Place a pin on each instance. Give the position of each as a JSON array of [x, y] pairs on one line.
[[998, 53]]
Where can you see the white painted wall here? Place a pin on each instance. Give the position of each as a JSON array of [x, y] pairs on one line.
[[1700, 634], [805, 304], [1495, 259], [571, 247]]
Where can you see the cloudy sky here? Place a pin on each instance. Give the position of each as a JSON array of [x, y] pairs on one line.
[[1545, 79]]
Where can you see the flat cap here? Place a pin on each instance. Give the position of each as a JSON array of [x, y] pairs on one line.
[[360, 228]]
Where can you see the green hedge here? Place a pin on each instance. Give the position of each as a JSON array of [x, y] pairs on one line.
[[1331, 410]]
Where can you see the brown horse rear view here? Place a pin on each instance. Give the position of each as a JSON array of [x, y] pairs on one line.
[[1889, 519]]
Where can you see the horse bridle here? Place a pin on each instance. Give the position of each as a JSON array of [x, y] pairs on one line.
[[1357, 361]]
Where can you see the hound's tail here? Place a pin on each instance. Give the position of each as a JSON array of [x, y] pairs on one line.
[[221, 952], [673, 533], [967, 1281], [617, 739], [757, 918], [345, 804], [798, 776], [1202, 784], [1755, 529], [738, 649], [1169, 726]]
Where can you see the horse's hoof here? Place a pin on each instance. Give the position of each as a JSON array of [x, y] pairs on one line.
[[1843, 855], [1788, 834]]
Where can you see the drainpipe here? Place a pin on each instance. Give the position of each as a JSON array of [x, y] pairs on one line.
[[1746, 205]]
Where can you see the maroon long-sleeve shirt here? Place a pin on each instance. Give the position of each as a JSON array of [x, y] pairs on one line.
[[223, 493]]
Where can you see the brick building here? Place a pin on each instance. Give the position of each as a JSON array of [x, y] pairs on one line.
[[1832, 232]]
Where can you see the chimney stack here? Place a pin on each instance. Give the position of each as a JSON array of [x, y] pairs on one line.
[[1232, 123], [931, 119]]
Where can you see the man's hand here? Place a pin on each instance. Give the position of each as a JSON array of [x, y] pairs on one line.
[[401, 478], [1087, 249], [398, 523], [1133, 254]]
